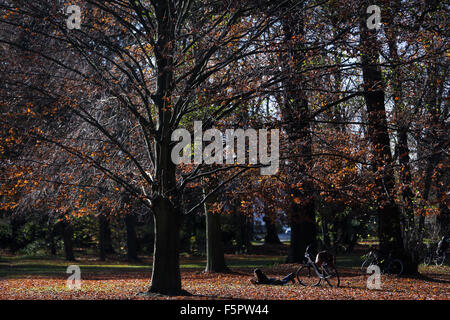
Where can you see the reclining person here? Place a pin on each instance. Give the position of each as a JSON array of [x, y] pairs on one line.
[[261, 278]]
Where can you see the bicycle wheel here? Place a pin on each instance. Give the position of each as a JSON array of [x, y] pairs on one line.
[[427, 260], [331, 275], [307, 276], [365, 265], [395, 267], [439, 260]]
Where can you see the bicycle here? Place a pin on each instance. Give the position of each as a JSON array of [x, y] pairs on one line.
[[435, 257], [310, 274], [389, 265]]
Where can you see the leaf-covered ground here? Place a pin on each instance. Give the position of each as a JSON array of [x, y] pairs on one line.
[[114, 283], [219, 286], [46, 279]]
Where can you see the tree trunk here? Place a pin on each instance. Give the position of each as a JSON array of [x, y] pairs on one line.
[[105, 243], [67, 235], [303, 230], [166, 277], [215, 258], [412, 234], [389, 227], [271, 231], [51, 240], [296, 114], [130, 223], [443, 219], [16, 224], [245, 232], [436, 141]]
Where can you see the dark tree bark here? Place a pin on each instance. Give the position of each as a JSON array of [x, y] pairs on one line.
[[108, 243], [436, 140], [130, 223], [389, 226], [67, 235], [245, 232], [215, 261], [16, 224], [271, 231], [412, 234], [303, 230], [166, 278], [443, 219], [296, 114], [215, 255], [105, 242], [51, 240]]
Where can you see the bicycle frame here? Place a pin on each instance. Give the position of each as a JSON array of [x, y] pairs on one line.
[[325, 272], [311, 263], [382, 262]]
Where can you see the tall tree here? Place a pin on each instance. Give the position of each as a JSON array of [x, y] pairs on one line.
[[389, 227], [141, 53], [296, 114]]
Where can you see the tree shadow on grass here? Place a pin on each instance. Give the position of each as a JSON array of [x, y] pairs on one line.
[[227, 271], [55, 271]]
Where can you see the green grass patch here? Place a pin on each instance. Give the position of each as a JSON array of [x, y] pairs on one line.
[[349, 261], [24, 266]]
